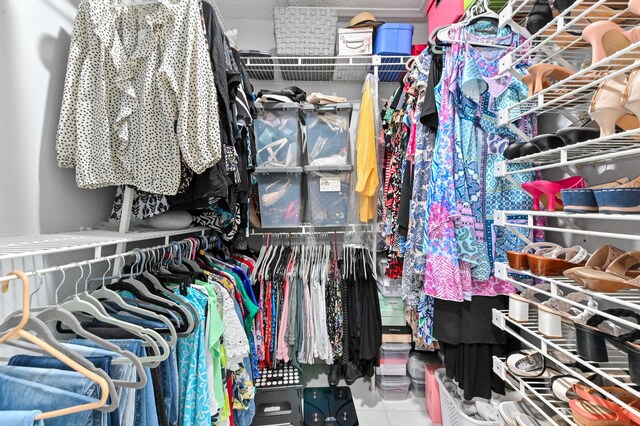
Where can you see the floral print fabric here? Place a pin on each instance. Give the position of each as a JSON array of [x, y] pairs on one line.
[[460, 242]]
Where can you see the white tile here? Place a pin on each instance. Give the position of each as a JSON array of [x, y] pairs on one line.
[[363, 398], [404, 418], [373, 418], [411, 404]]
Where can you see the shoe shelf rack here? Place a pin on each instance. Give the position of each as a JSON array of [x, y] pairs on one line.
[[608, 148], [559, 41], [534, 391], [326, 68], [614, 370], [505, 218], [572, 96]]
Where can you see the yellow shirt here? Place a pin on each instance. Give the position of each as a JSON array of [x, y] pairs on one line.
[[366, 158]]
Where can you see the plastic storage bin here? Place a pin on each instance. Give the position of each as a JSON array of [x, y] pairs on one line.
[[392, 40], [391, 310], [394, 353], [328, 191], [451, 410], [417, 388], [327, 129], [432, 393], [417, 361], [393, 388], [277, 130], [392, 370], [387, 286], [280, 196]]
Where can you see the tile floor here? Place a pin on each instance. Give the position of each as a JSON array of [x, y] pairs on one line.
[[372, 409]]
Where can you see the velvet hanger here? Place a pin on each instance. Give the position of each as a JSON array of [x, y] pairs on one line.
[[51, 347]]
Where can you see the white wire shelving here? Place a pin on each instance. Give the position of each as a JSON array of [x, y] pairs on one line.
[[627, 298], [573, 95], [532, 390], [614, 371], [502, 218], [609, 148], [560, 41], [47, 244], [325, 68]]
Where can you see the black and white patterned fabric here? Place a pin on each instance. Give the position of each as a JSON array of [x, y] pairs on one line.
[[139, 94]]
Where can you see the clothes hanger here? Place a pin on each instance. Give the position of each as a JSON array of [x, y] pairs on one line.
[[18, 332], [478, 11], [57, 314], [105, 294], [77, 305]]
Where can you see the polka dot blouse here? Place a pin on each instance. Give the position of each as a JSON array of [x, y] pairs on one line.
[[138, 94]]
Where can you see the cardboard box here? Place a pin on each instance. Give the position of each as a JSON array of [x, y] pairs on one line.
[[355, 41]]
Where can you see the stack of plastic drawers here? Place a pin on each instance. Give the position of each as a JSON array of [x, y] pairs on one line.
[[279, 161], [391, 377], [391, 310], [328, 168]]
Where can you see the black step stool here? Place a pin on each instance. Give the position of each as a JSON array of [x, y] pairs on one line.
[[279, 397]]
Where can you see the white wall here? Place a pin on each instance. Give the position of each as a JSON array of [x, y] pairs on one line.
[[35, 195]]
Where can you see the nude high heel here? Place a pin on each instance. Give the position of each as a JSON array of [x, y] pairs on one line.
[[540, 76], [634, 7], [606, 38], [631, 95], [606, 105]]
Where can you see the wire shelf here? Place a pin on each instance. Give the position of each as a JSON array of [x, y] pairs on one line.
[[573, 94], [560, 41], [333, 68], [536, 388], [627, 298], [620, 145], [46, 244], [615, 370]]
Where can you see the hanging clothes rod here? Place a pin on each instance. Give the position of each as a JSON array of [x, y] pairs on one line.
[[72, 265]]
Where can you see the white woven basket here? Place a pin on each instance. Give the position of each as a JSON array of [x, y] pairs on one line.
[[305, 31]]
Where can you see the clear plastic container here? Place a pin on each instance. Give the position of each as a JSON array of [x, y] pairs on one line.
[[417, 388], [393, 388], [280, 196], [278, 140], [417, 361], [387, 286], [327, 130], [394, 353], [392, 370], [328, 192], [392, 303]]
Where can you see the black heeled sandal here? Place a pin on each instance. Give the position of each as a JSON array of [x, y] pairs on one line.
[[591, 340]]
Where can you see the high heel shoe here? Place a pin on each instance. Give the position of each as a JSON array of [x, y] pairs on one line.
[[606, 38], [544, 190], [634, 7], [631, 95], [541, 76], [606, 105]]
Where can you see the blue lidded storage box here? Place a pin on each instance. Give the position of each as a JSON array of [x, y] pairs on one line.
[[393, 40]]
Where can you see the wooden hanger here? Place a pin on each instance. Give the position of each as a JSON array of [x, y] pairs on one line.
[[18, 332]]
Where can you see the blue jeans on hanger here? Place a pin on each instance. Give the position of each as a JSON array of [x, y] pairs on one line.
[[144, 403], [19, 395], [127, 406], [64, 380], [21, 418], [102, 362]]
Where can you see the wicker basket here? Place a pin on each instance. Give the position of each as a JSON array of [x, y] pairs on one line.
[[305, 31]]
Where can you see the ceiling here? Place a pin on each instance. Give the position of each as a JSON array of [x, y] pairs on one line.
[[263, 9]]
